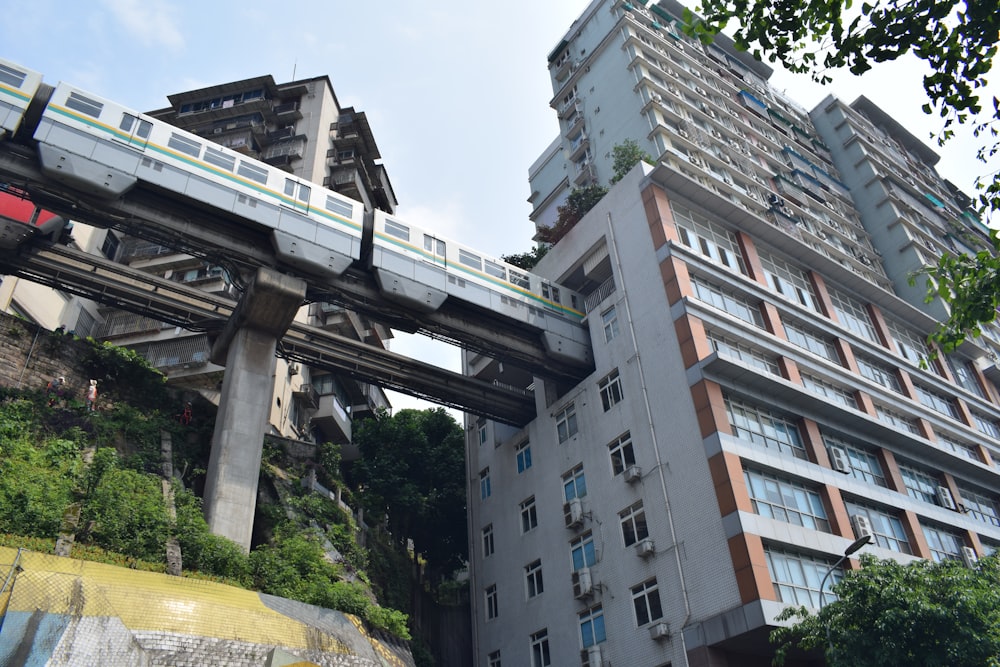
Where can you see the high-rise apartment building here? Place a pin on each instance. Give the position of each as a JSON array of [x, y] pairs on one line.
[[762, 395], [300, 127]]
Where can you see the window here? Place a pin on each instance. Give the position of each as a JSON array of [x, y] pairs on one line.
[[494, 659], [581, 551], [485, 488], [252, 171], [736, 305], [483, 434], [958, 447], [965, 375], [566, 423], [633, 522], [895, 419], [920, 484], [622, 455], [785, 500], [183, 144], [936, 401], [85, 105], [853, 315], [734, 349], [216, 157], [759, 426], [109, 248], [980, 506], [492, 607], [533, 578], [834, 392], [802, 336], [523, 455], [14, 77], [707, 238], [909, 344], [879, 373], [519, 279], [887, 528], [788, 280], [797, 578], [986, 425], [646, 602], [863, 464], [592, 626], [944, 545], [339, 206], [470, 259], [488, 541], [529, 515], [140, 128], [609, 319], [611, 390], [394, 228], [574, 483], [540, 649]]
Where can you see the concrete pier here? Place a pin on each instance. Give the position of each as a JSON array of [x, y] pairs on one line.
[[246, 348]]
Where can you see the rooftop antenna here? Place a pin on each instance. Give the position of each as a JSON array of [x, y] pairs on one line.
[[295, 65]]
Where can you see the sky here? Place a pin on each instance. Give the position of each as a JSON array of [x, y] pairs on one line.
[[457, 94]]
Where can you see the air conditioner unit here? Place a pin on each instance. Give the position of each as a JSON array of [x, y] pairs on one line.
[[969, 557], [583, 585], [862, 526], [775, 200], [656, 97], [683, 133], [659, 631], [573, 513], [633, 474], [594, 656], [839, 460], [293, 369], [645, 548], [945, 499]]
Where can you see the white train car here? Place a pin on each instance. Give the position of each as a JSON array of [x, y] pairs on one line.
[[105, 149], [420, 269], [18, 86]]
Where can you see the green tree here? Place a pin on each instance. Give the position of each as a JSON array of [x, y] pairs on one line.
[[578, 203], [412, 469], [921, 615], [626, 155], [955, 39], [527, 260]]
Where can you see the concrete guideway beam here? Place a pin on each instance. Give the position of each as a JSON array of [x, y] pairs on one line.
[[248, 343]]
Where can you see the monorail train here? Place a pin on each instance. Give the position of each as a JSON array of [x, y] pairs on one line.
[[105, 149]]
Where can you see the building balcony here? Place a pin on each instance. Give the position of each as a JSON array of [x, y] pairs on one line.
[[287, 111], [579, 147], [332, 420], [307, 396]]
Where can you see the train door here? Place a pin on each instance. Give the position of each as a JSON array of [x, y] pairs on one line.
[[133, 131], [297, 195], [435, 250]]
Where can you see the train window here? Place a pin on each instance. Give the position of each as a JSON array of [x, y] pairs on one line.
[[84, 105], [434, 246], [496, 270], [134, 126], [550, 292], [303, 190], [219, 159], [337, 206], [11, 76], [520, 279], [252, 171], [183, 144], [469, 259], [399, 231]]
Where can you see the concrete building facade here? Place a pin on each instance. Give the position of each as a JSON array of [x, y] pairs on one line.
[[762, 395]]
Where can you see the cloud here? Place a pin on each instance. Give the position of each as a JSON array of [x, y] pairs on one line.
[[152, 22]]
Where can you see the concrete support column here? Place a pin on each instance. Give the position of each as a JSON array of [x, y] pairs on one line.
[[246, 347]]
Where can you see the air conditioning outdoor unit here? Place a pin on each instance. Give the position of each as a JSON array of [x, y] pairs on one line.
[[583, 585], [969, 557], [645, 548], [862, 526], [945, 498], [573, 513], [659, 631], [594, 656], [839, 460], [633, 474]]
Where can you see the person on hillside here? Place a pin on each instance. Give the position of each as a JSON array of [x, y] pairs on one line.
[[55, 390], [92, 396]]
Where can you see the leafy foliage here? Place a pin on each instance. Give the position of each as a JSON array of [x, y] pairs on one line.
[[578, 203], [413, 471], [920, 615], [527, 260], [626, 155]]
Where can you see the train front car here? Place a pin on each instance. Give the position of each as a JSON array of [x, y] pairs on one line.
[[420, 270], [18, 86], [104, 149]]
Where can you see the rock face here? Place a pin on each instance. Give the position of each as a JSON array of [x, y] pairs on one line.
[[63, 612]]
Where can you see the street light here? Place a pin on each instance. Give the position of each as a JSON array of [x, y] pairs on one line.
[[851, 549]]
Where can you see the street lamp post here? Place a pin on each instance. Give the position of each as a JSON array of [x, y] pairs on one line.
[[852, 548]]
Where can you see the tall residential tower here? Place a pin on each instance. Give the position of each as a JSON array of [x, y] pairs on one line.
[[762, 395]]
